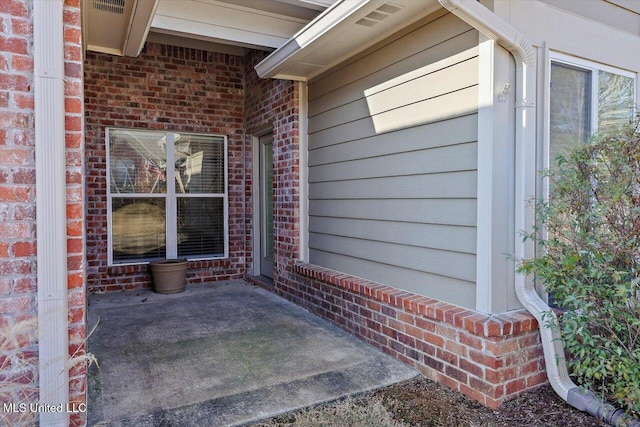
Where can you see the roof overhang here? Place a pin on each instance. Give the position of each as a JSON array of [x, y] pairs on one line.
[[120, 27], [345, 29], [117, 27]]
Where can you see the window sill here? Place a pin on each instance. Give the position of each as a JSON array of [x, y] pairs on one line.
[[142, 266]]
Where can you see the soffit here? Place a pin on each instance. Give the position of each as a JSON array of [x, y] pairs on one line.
[[117, 27], [347, 28], [120, 27], [261, 24]]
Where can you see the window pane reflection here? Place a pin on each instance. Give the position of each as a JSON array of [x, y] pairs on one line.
[[199, 164], [138, 228], [615, 101], [569, 110]]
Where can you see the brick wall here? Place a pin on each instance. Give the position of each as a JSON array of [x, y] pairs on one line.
[[488, 358], [275, 103], [18, 282], [168, 88], [18, 286], [76, 258]]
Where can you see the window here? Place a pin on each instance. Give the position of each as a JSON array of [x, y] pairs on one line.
[[586, 98], [156, 211]]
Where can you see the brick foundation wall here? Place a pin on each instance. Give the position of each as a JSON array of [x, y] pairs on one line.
[[488, 358], [18, 281], [168, 88]]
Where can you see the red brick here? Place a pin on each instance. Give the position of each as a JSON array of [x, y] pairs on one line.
[[25, 285], [515, 386], [500, 376], [6, 287], [501, 347], [24, 249], [425, 324], [472, 393], [73, 105], [75, 246], [434, 339], [15, 156], [456, 374], [21, 27], [486, 360], [492, 328], [475, 324], [20, 304], [456, 348], [537, 379], [74, 211], [14, 8], [15, 193], [14, 45], [449, 382], [414, 332], [447, 356], [471, 368], [15, 230], [24, 101]]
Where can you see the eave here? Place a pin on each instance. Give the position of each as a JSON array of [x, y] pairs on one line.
[[117, 27], [342, 31]]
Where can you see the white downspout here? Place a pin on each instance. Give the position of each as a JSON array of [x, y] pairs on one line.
[[51, 223], [491, 25]]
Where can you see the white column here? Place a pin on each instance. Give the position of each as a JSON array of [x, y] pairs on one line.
[[48, 48]]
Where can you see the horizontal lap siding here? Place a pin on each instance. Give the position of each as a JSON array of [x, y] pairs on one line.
[[393, 163]]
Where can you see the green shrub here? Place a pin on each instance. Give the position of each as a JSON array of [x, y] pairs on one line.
[[590, 262]]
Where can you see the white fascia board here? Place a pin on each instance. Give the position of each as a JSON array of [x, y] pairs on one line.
[[225, 21], [139, 25], [216, 33], [323, 24]]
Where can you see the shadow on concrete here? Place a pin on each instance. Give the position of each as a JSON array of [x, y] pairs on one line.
[[223, 354]]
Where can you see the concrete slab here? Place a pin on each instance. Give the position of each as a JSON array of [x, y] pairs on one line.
[[221, 354]]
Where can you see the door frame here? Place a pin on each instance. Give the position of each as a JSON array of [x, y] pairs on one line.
[[256, 134]]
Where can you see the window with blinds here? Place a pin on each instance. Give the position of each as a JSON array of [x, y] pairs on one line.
[[167, 195]]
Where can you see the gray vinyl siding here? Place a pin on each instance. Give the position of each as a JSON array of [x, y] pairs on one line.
[[393, 162]]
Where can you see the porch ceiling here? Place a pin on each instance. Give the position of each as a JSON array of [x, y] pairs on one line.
[[121, 27]]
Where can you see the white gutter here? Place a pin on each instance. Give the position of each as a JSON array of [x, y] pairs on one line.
[[491, 25], [51, 223]]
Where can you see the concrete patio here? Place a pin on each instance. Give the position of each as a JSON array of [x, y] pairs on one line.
[[221, 354]]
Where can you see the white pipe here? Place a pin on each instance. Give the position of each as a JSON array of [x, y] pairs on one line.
[[491, 25], [524, 54], [51, 223]]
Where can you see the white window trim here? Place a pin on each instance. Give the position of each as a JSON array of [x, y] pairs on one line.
[[583, 64], [592, 67], [170, 201]]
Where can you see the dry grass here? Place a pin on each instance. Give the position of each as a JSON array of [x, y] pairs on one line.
[[19, 370], [420, 402], [351, 412]]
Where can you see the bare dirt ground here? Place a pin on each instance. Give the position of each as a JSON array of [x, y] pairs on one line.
[[421, 402]]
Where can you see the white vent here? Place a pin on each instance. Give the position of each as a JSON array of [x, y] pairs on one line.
[[380, 14], [112, 6]]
